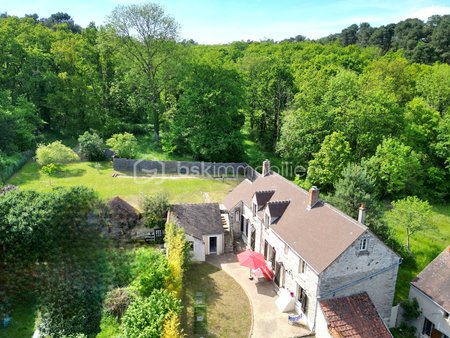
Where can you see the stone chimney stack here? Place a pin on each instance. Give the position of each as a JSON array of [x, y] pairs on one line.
[[266, 168], [362, 214], [313, 197]]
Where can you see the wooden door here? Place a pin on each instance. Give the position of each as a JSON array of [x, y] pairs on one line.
[[435, 333]]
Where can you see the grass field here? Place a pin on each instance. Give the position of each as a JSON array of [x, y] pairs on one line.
[[425, 245], [99, 177], [148, 149], [22, 324], [227, 307]]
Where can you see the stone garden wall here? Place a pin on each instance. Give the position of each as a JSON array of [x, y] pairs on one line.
[[213, 169]]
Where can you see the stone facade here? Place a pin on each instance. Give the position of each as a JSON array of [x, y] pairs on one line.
[[214, 169], [373, 270]]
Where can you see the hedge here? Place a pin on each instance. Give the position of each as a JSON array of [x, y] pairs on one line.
[[15, 166]]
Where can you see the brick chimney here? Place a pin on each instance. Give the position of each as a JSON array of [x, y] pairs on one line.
[[362, 214], [313, 197], [266, 168]]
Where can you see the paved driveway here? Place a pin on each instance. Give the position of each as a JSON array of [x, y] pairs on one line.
[[268, 321]]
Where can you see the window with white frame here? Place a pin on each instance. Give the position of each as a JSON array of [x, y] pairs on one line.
[[363, 244], [301, 266], [286, 249], [255, 208], [237, 216]]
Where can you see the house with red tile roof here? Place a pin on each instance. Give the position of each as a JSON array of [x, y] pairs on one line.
[[431, 288], [351, 316], [315, 251]]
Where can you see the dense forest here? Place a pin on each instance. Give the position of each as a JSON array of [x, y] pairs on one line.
[[363, 114], [375, 98]]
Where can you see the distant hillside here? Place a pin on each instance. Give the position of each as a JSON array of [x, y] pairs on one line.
[[423, 42]]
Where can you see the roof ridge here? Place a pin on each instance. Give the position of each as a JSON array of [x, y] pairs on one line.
[[205, 203], [333, 208], [279, 202]]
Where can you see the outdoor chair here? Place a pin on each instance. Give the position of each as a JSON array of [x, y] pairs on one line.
[[292, 319]]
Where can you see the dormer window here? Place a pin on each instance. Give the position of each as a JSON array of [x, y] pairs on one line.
[[260, 199], [363, 244]]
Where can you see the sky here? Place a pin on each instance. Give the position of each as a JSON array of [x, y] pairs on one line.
[[224, 21]]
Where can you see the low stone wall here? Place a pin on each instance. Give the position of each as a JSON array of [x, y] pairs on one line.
[[213, 169]]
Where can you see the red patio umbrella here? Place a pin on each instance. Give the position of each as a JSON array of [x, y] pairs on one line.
[[252, 260]]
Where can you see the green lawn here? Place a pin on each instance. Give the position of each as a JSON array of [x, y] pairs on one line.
[[425, 246], [180, 190], [109, 327], [148, 149], [227, 307], [22, 324], [255, 155]]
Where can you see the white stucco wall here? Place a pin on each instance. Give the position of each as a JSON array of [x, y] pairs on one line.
[[220, 243], [430, 310], [198, 254], [349, 267], [291, 261], [321, 325]]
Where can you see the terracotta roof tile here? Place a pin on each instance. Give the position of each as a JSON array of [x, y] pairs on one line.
[[354, 316]]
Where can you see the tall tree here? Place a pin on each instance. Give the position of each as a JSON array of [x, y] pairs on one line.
[[328, 163], [208, 119], [396, 167], [354, 188], [269, 88], [365, 31], [440, 38], [349, 35], [410, 213], [147, 34]]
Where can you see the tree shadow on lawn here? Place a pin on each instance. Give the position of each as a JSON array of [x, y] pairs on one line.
[[29, 172], [65, 173], [228, 312], [100, 166]]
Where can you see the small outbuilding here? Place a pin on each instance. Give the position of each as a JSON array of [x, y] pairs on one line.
[[121, 218], [203, 226]]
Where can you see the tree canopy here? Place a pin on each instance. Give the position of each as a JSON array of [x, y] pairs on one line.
[[385, 90]]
